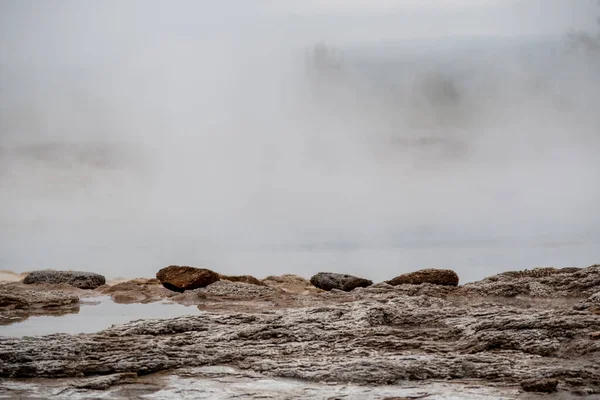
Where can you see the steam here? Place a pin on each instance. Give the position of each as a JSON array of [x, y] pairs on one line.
[[140, 135]]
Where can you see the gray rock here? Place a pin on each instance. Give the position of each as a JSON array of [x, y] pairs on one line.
[[79, 279], [540, 385], [15, 297], [18, 302], [329, 280], [539, 282]]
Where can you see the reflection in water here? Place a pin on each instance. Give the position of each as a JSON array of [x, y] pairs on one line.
[[8, 317], [93, 315]]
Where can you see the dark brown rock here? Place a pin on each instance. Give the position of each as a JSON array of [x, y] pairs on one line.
[[181, 278], [78, 279], [443, 277], [540, 385], [329, 280], [242, 279]]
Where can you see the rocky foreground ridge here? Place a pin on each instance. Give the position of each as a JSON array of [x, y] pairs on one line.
[[538, 330]]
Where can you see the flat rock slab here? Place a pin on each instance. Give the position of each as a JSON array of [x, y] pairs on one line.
[[78, 279], [13, 297], [381, 341], [330, 280]]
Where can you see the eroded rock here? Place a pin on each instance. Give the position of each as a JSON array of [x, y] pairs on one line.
[[236, 289], [329, 280], [18, 302], [290, 283], [539, 282], [137, 291], [78, 279], [442, 277], [378, 341], [181, 278], [540, 385], [243, 279]]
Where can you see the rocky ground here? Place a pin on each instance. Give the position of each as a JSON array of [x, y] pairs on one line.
[[536, 330]]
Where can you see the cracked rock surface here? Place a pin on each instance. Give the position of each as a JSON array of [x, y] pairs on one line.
[[371, 337], [384, 340]]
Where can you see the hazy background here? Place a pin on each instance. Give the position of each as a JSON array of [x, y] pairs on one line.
[[451, 134]]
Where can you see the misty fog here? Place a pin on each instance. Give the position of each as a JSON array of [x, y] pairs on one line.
[[254, 138]]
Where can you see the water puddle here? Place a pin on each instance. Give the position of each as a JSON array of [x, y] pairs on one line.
[[95, 314]]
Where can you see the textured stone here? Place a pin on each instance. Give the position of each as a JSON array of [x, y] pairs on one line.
[[290, 283], [540, 385], [13, 297], [329, 280], [443, 277], [78, 279], [181, 278], [539, 282], [243, 279], [236, 289], [19, 302], [386, 338]]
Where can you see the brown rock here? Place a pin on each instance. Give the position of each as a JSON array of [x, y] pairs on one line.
[[540, 385], [444, 277], [181, 278], [290, 283], [242, 279], [595, 335]]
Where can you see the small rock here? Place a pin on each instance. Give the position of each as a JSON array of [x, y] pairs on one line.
[[78, 279], [249, 279], [595, 335], [540, 385], [444, 277], [329, 280], [181, 278]]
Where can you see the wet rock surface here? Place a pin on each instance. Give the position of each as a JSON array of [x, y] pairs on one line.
[[386, 339], [443, 277], [290, 283], [371, 336], [137, 291], [181, 278], [18, 302], [539, 282], [540, 385], [243, 279], [329, 281], [226, 383], [78, 279]]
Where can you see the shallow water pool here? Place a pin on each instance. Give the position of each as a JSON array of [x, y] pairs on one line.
[[95, 314]]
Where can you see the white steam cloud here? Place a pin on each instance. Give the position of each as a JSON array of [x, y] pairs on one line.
[[139, 134]]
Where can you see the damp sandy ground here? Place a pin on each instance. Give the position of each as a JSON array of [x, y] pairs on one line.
[[10, 276], [95, 314]]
